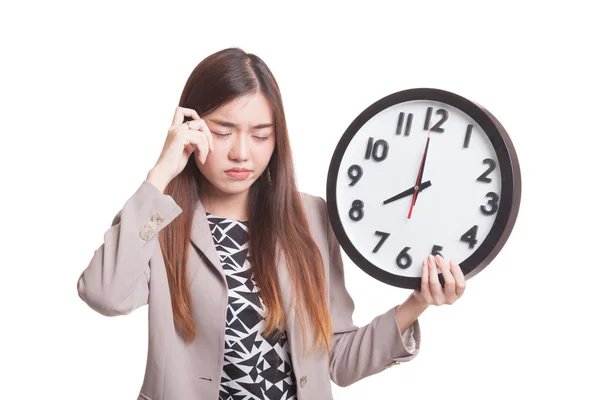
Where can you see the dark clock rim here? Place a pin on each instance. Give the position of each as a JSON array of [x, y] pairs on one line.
[[509, 171]]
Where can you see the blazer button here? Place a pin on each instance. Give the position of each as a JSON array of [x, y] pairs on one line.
[[147, 233], [302, 381], [157, 219]]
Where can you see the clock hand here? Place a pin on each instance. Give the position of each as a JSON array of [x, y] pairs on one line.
[[407, 192], [420, 174]]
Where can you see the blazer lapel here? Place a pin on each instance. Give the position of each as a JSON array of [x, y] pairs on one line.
[[201, 237]]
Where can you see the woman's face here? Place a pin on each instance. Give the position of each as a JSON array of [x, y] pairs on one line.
[[244, 138]]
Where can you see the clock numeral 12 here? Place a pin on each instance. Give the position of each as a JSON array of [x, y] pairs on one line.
[[378, 149], [438, 126]]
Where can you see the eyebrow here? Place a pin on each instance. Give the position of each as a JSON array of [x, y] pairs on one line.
[[228, 124]]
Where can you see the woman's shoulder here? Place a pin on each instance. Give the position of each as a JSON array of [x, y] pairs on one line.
[[312, 203], [316, 212]]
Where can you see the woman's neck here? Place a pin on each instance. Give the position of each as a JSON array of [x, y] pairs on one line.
[[233, 206]]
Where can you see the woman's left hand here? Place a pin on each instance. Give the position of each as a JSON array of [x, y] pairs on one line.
[[432, 291]]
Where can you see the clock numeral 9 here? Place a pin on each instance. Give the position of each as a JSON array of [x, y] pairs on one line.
[[355, 172], [470, 236], [493, 203], [438, 126], [378, 150], [356, 212], [492, 166], [404, 260]]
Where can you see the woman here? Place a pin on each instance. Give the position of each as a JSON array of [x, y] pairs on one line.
[[242, 273]]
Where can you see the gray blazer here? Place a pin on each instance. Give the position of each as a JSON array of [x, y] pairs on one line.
[[128, 271]]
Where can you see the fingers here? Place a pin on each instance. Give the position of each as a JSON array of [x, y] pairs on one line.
[[209, 134], [434, 283], [200, 126], [431, 288], [425, 292], [200, 142], [449, 281], [181, 112], [459, 277]]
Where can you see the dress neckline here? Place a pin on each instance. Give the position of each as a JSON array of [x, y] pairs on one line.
[[225, 218]]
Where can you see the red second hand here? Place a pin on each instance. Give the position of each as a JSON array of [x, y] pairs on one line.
[[414, 197]]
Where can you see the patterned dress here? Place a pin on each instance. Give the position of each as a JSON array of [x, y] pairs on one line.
[[255, 366]]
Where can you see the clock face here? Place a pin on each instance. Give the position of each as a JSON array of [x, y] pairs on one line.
[[459, 210]]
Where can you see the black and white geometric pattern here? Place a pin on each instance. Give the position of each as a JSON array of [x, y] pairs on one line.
[[255, 367]]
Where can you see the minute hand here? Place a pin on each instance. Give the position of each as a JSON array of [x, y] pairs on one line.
[[420, 174], [407, 192]]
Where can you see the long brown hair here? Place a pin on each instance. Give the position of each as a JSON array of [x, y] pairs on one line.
[[275, 212]]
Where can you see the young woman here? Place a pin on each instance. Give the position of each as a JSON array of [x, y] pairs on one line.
[[241, 272]]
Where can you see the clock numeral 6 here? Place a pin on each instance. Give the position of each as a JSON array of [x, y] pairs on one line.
[[492, 166], [356, 212], [493, 203], [404, 260], [378, 149], [355, 172]]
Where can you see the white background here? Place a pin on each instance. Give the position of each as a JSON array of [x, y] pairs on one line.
[[88, 91]]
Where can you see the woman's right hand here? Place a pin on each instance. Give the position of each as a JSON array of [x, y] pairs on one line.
[[183, 139]]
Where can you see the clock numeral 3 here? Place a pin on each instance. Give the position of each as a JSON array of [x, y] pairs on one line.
[[356, 212], [436, 250], [355, 172], [401, 124], [384, 236], [404, 260], [438, 126], [492, 166], [377, 150], [470, 236], [493, 203]]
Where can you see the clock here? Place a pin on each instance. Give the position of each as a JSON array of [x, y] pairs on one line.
[[423, 171]]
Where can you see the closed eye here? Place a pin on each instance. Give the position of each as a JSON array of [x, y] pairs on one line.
[[259, 138]]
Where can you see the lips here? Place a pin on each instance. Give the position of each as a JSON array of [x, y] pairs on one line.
[[238, 170]]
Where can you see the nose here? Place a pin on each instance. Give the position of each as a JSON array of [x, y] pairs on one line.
[[239, 148]]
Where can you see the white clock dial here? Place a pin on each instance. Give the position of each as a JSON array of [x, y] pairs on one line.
[[460, 192]]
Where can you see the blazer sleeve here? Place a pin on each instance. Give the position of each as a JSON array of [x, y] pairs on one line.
[[358, 352], [116, 280]]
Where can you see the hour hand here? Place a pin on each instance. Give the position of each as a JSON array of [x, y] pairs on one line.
[[408, 192]]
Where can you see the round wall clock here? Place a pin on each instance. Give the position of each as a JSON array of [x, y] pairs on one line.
[[423, 171]]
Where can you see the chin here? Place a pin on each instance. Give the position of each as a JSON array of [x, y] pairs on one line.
[[235, 187]]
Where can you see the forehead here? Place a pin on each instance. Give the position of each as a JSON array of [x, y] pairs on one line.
[[248, 110]]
